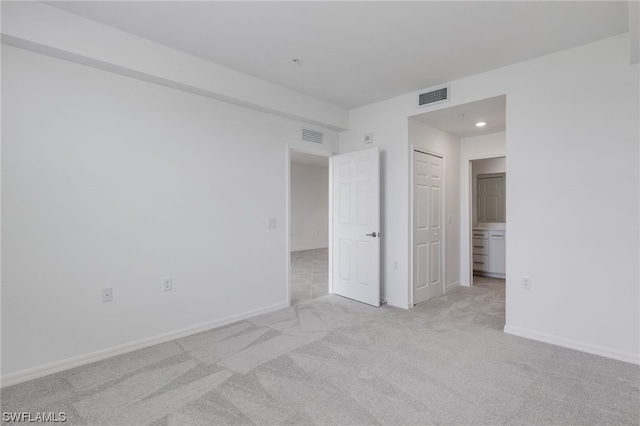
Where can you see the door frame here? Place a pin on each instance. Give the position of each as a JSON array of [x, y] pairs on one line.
[[466, 219], [443, 212], [319, 153]]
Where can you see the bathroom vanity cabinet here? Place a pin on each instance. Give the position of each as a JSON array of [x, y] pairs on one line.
[[489, 252]]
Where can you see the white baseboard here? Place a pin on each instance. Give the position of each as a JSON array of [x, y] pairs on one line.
[[77, 361], [398, 303], [450, 286], [572, 344]]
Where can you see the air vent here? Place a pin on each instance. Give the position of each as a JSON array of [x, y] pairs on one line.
[[312, 136], [433, 96]]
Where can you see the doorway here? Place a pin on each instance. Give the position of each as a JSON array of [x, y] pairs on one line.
[[488, 219], [353, 245], [465, 132], [308, 226]]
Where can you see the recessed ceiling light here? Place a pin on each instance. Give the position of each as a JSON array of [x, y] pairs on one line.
[[481, 124]]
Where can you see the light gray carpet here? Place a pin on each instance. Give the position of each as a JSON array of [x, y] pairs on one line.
[[334, 361], [309, 277]]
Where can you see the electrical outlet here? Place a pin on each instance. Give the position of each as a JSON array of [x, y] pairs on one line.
[[167, 284], [107, 294], [395, 265], [271, 224], [526, 282]]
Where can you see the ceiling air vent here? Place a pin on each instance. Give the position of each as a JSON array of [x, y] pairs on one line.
[[433, 96], [312, 136]]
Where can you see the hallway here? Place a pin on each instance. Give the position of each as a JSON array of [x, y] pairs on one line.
[[309, 274]]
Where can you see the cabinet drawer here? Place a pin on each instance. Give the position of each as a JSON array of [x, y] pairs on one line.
[[480, 262], [496, 235], [480, 246], [480, 234]]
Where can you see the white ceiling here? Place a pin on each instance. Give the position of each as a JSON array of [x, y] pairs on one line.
[[356, 53], [461, 120]]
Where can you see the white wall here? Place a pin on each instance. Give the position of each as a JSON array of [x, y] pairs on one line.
[[564, 149], [572, 167], [432, 140], [484, 146], [108, 181], [309, 207]]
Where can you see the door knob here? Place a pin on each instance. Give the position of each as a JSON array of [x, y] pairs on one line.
[[373, 234]]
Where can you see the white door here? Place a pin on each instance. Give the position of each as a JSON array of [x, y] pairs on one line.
[[356, 225], [427, 227], [491, 199]]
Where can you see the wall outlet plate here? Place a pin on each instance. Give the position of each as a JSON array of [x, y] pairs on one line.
[[526, 282], [167, 284]]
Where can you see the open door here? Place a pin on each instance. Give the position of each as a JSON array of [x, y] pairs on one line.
[[356, 225]]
